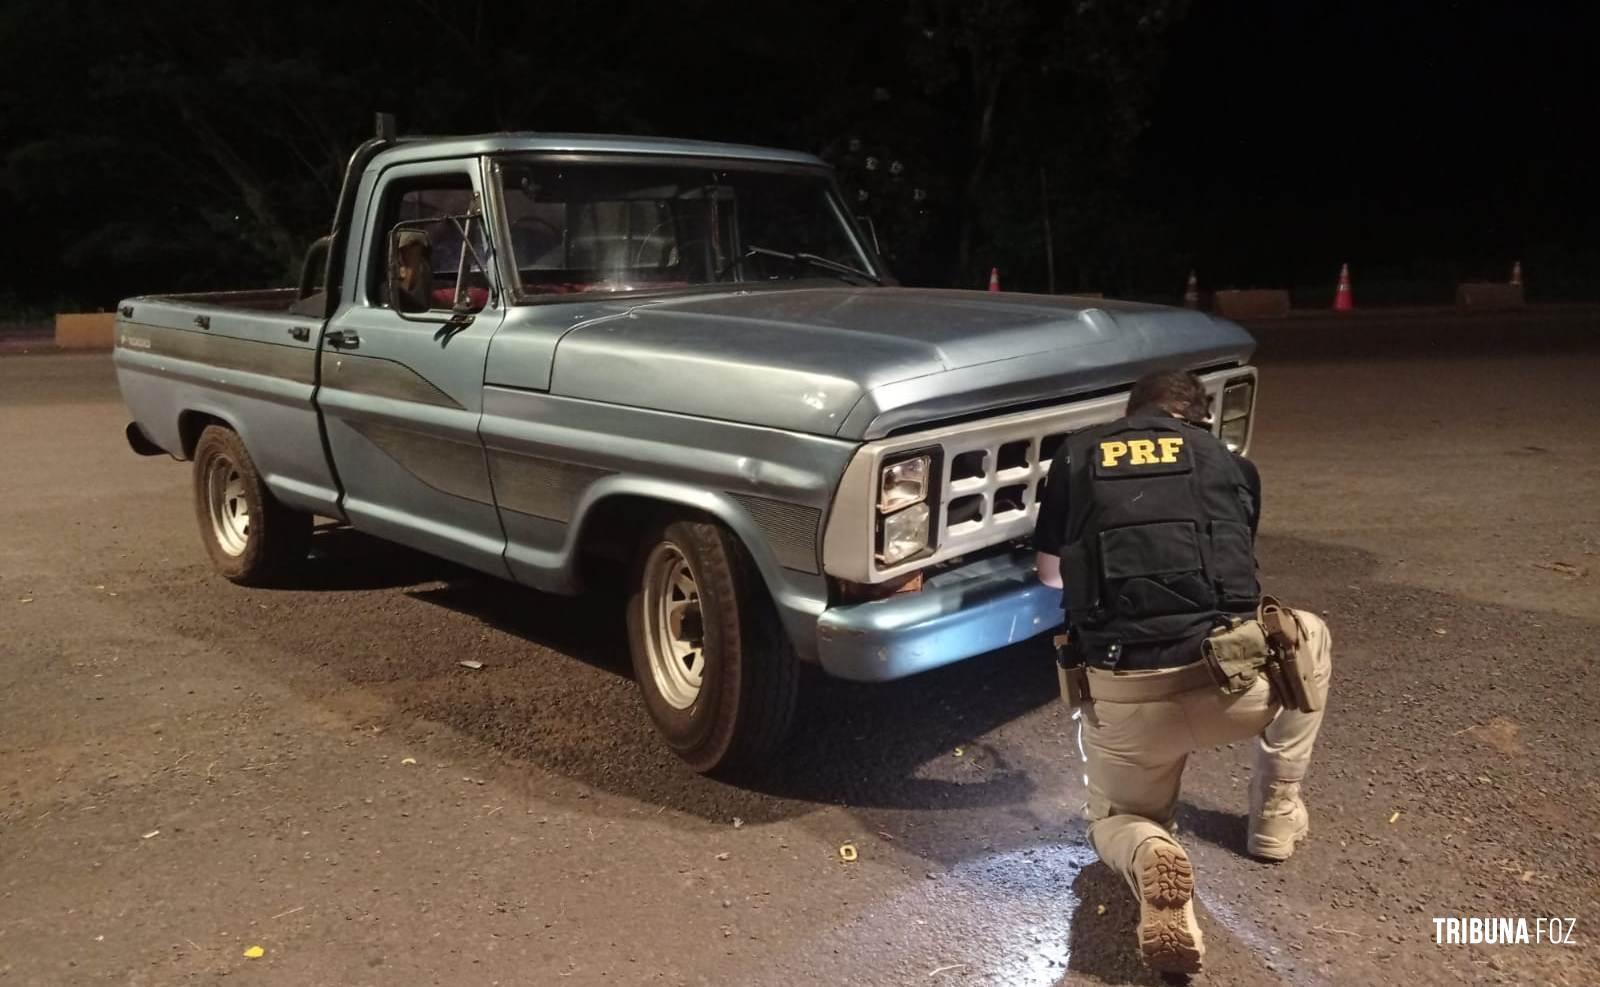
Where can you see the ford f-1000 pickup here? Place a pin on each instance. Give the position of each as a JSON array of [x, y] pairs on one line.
[[521, 352]]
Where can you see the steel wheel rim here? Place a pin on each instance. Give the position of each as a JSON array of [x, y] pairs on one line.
[[228, 506], [674, 626]]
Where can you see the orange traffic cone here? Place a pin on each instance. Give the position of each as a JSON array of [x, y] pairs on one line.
[[1516, 273], [1342, 302], [994, 279], [1191, 292]]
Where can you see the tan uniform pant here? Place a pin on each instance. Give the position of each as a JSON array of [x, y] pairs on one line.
[[1135, 752]]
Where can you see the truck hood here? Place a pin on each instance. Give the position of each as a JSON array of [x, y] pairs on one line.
[[859, 363]]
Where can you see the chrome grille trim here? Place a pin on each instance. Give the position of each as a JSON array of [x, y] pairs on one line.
[[1023, 438], [1026, 437]]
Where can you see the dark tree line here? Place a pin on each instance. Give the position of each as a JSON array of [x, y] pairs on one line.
[[168, 145]]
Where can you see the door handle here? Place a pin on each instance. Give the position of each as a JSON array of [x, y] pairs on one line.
[[302, 333], [344, 339]]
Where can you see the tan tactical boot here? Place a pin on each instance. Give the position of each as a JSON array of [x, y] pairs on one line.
[[1278, 819], [1169, 937]]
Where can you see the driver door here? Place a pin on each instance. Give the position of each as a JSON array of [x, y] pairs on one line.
[[402, 384]]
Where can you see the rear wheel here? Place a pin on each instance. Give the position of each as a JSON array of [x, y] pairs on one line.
[[252, 538], [716, 670]]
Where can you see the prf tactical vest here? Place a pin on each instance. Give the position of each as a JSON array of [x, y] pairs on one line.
[[1158, 535]]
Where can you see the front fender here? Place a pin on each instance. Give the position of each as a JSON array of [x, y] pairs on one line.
[[801, 597]]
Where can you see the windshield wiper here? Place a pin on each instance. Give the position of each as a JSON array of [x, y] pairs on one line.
[[813, 260]]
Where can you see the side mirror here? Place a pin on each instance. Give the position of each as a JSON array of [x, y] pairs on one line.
[[410, 270], [313, 271]]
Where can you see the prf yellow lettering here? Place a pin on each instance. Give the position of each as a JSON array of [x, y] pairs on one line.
[[1143, 452], [1140, 452]]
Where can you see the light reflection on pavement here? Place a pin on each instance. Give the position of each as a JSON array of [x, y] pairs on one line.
[[1002, 918], [1029, 903]]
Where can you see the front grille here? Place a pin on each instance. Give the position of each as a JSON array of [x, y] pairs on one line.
[[992, 481]]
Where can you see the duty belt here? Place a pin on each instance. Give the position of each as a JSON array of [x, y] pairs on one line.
[[1081, 683], [1147, 686], [1234, 656]]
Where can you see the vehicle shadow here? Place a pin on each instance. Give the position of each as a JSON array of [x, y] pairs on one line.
[[856, 745], [342, 558], [589, 628], [910, 745], [557, 692]]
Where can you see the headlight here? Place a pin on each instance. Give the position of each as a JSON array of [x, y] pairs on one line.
[[1238, 401], [902, 483], [905, 533], [1234, 433]]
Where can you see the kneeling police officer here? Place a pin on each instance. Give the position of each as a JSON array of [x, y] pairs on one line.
[[1148, 525]]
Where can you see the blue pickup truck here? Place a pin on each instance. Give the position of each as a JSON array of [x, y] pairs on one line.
[[521, 352]]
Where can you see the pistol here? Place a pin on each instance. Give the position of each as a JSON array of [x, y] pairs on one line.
[[1071, 674]]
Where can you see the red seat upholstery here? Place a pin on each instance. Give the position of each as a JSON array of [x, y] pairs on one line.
[[477, 298]]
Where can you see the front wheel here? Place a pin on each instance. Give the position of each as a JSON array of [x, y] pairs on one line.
[[252, 538], [717, 673]]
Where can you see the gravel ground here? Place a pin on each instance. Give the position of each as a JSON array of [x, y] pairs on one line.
[[189, 769]]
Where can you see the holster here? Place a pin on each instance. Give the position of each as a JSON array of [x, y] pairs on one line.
[[1071, 672], [1289, 668], [1235, 655]]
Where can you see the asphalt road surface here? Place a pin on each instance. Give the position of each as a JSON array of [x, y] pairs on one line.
[[189, 769]]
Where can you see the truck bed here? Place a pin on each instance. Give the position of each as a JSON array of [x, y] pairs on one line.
[[253, 299], [247, 358]]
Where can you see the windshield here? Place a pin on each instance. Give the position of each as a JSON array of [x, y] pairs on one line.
[[637, 227]]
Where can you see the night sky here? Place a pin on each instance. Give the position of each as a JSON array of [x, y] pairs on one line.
[[1262, 142], [1422, 141]]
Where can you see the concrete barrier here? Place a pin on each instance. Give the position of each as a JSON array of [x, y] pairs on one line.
[[1489, 295], [1252, 303], [85, 330]]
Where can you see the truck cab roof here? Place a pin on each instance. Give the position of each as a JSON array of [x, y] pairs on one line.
[[424, 148]]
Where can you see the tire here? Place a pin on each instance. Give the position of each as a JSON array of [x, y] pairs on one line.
[[741, 705], [252, 539]]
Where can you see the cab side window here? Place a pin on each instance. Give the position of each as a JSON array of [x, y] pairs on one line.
[[429, 237]]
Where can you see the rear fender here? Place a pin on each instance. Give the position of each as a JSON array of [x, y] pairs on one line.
[[192, 422], [141, 443]]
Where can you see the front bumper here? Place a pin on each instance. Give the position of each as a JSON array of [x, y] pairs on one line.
[[959, 613]]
